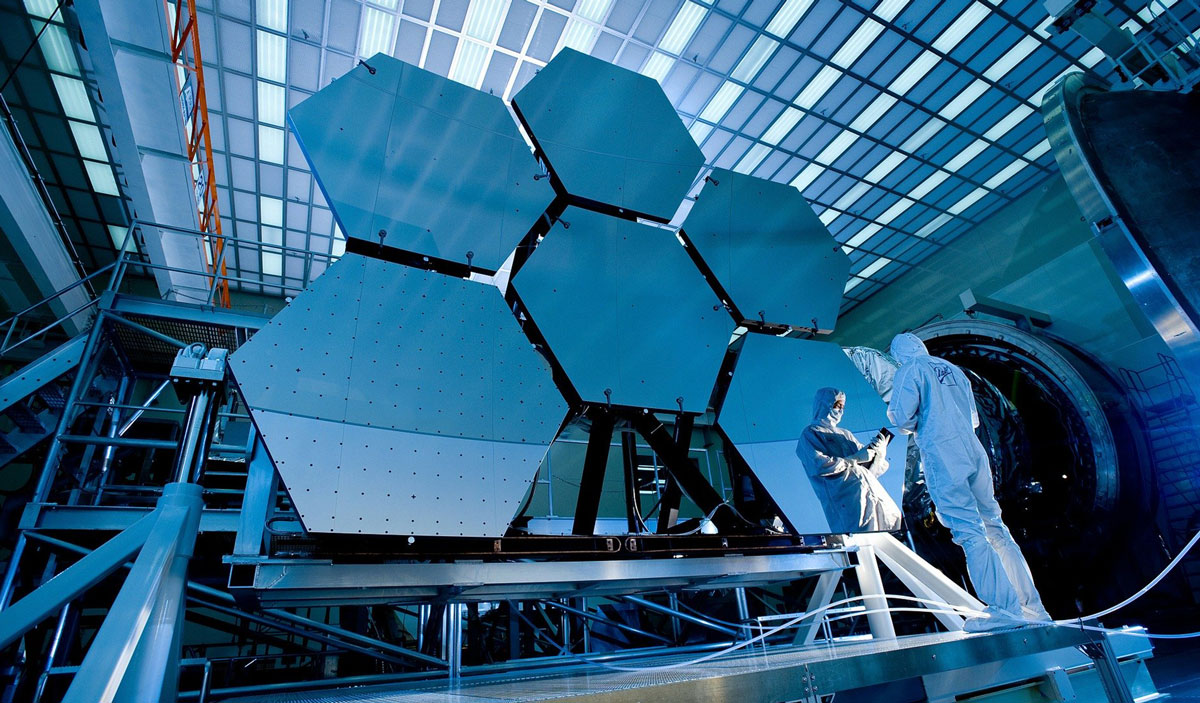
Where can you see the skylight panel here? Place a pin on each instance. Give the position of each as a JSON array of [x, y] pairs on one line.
[[1006, 173], [934, 225], [899, 208], [56, 48], [658, 66], [888, 9], [858, 43], [964, 99], [88, 140], [805, 178], [270, 144], [271, 52], [721, 102], [41, 8], [101, 177], [877, 109], [961, 27], [592, 10], [1036, 152], [1006, 123], [578, 35], [682, 28], [828, 216], [756, 56], [73, 95], [885, 167], [787, 17], [782, 126], [851, 196], [851, 284], [967, 201], [964, 157], [270, 211], [836, 148], [922, 135], [1092, 57], [700, 131], [817, 87], [469, 62], [272, 259], [483, 19], [926, 186], [338, 248], [875, 267], [121, 239], [916, 70], [270, 103], [753, 157], [376, 34], [1011, 58], [272, 14], [863, 235]]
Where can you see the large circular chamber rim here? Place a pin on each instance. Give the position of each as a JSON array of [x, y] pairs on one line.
[[1072, 383]]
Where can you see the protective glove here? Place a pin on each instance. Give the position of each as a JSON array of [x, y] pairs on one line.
[[863, 456], [879, 445]]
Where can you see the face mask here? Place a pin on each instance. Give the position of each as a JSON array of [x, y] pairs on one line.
[[835, 415]]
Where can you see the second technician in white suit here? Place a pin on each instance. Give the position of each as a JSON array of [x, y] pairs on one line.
[[932, 399]]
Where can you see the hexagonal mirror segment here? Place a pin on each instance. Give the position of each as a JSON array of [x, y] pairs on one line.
[[419, 168], [400, 401], [625, 312], [769, 252], [610, 136], [770, 402]]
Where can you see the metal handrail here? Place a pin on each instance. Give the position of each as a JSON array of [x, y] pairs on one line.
[[11, 323]]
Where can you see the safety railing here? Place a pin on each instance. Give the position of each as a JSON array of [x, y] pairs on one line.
[[41, 319], [1166, 55]]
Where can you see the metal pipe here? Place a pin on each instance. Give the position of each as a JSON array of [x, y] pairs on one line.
[[138, 443], [600, 618], [52, 653], [695, 620], [143, 407], [189, 444]]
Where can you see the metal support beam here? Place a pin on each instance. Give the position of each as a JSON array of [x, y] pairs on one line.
[[680, 615], [51, 596], [629, 462], [107, 663], [693, 483], [1100, 651], [821, 596], [874, 597], [668, 506], [256, 503], [591, 481], [589, 615]]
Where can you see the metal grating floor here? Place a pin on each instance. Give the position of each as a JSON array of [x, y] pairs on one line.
[[781, 671]]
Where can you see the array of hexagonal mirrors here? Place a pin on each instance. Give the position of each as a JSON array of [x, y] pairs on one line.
[[408, 399]]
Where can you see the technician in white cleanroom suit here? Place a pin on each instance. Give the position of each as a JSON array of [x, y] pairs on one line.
[[843, 471], [932, 399]]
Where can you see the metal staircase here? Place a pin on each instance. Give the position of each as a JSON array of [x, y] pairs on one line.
[[1172, 413], [32, 398]]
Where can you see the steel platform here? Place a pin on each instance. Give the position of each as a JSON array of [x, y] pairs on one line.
[[942, 665]]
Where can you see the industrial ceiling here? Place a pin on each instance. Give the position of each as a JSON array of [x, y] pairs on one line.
[[903, 123]]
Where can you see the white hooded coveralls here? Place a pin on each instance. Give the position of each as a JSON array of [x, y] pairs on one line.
[[932, 399], [853, 499]]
